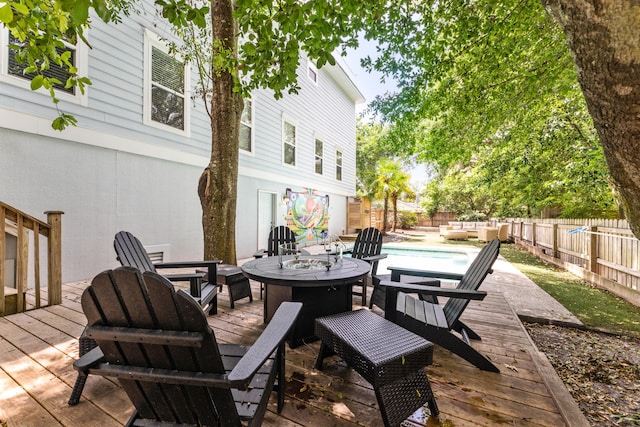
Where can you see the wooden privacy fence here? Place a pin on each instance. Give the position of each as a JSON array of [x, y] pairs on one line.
[[440, 218], [604, 252], [28, 229]]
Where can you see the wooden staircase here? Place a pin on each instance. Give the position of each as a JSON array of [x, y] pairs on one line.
[[26, 290]]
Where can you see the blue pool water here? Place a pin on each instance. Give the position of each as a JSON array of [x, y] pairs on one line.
[[424, 258]]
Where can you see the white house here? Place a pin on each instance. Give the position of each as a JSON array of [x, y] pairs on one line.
[[134, 159]]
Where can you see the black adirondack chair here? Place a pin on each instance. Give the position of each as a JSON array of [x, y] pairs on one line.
[[279, 235], [130, 252], [367, 247], [436, 322], [158, 344]]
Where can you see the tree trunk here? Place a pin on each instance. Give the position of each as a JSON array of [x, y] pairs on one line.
[[603, 37], [385, 214], [218, 185], [395, 212]]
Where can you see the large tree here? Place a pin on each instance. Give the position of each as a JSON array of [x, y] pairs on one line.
[[484, 74], [604, 37]]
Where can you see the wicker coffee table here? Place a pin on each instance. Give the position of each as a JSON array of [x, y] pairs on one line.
[[388, 356]]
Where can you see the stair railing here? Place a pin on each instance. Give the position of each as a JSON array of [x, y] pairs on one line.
[[21, 223]]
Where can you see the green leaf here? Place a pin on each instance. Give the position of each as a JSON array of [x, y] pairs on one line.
[[61, 122], [58, 124], [37, 81], [102, 10], [6, 14], [20, 8], [249, 48], [80, 12]]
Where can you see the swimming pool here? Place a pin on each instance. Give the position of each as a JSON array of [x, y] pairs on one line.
[[424, 258]]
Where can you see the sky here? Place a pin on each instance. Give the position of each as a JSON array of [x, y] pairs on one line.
[[370, 85]]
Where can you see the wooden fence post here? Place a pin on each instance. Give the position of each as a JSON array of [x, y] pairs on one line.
[[54, 218], [593, 249], [521, 230], [555, 241], [533, 234]]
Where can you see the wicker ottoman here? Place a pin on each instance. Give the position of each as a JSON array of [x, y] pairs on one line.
[[444, 228], [487, 234], [388, 356], [455, 235]]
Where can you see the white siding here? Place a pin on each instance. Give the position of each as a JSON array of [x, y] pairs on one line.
[[101, 192], [323, 110]]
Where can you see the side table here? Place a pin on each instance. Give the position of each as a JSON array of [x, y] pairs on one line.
[[388, 356]]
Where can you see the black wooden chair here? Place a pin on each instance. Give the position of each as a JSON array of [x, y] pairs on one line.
[[130, 252], [278, 236], [437, 322], [367, 247], [157, 343]]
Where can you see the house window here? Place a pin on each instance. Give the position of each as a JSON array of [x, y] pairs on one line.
[[246, 126], [13, 69], [338, 165], [166, 84], [319, 156], [312, 72], [289, 142]]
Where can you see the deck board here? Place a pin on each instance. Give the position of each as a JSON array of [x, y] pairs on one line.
[[38, 347]]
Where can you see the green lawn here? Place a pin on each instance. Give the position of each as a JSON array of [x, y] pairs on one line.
[[596, 308]]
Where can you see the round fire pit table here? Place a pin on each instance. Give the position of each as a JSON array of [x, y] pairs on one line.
[[321, 290]]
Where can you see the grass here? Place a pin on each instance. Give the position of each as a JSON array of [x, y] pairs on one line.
[[596, 308]]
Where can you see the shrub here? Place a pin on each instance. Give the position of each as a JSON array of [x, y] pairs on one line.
[[472, 216], [407, 219]]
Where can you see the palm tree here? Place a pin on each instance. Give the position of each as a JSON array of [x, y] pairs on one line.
[[390, 182], [399, 188]]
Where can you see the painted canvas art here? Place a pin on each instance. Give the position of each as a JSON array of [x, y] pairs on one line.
[[307, 214]]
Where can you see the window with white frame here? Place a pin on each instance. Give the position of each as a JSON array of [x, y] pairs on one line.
[[288, 142], [312, 72], [246, 126], [319, 157], [166, 82], [12, 66], [338, 165]]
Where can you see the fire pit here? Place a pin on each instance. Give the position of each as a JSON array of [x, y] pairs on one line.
[[306, 264]]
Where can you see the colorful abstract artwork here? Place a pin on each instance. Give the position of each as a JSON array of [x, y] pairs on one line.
[[307, 213]]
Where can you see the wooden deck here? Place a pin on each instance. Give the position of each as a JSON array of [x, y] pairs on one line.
[[38, 347]]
